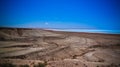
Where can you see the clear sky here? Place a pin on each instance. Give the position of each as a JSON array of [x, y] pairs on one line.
[[98, 14]]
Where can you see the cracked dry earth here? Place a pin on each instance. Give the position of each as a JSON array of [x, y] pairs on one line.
[[59, 49]]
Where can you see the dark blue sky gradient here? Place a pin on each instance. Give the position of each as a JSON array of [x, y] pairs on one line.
[[98, 14]]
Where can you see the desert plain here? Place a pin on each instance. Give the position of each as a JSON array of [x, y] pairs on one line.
[[27, 46]]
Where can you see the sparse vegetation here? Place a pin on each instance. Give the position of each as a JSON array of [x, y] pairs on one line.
[[105, 46], [7, 65], [74, 57], [40, 65], [24, 65], [117, 45], [12, 65], [97, 66]]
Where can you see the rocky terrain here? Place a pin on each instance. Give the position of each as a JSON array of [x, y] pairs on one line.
[[22, 46]]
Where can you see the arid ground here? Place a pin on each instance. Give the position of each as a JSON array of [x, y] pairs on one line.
[[22, 46]]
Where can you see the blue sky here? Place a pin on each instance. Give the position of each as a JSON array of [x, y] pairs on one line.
[[97, 14]]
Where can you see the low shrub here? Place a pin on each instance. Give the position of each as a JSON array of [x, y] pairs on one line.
[[7, 65], [40, 65], [24, 65]]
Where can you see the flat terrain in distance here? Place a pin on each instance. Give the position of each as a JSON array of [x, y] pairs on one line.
[[21, 46]]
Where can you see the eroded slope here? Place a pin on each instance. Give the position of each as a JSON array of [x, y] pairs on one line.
[[59, 49]]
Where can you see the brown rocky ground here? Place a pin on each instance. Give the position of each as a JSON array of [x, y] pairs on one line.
[[58, 49]]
